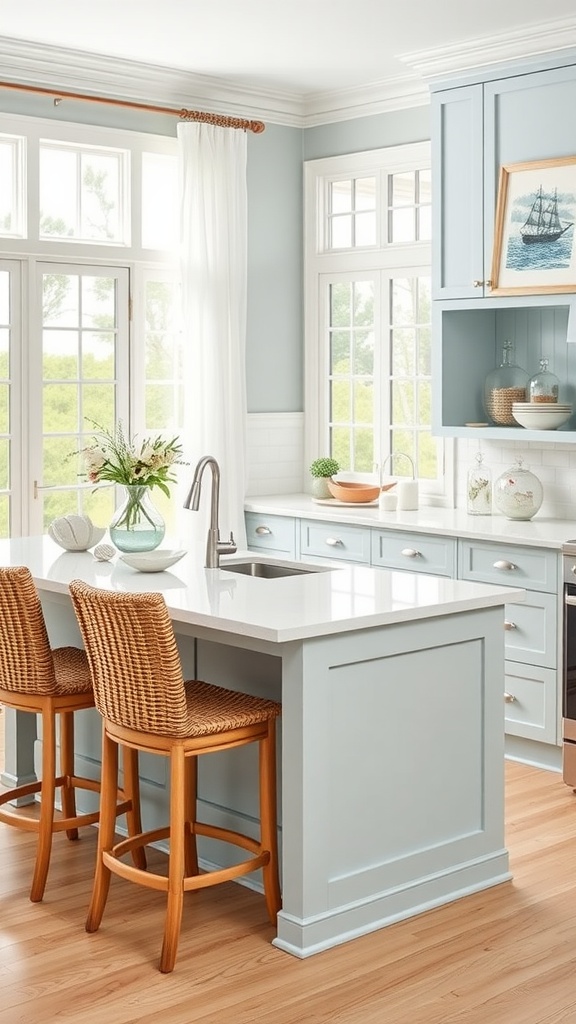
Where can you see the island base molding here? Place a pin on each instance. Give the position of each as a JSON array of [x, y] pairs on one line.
[[304, 938]]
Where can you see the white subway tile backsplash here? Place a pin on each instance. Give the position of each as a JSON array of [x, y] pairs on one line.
[[276, 462]]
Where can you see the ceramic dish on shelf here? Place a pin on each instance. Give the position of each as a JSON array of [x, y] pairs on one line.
[[545, 416], [152, 561]]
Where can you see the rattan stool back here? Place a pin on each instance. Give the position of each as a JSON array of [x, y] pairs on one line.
[[146, 704], [52, 683]]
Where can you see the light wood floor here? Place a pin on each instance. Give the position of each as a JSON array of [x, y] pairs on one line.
[[504, 956]]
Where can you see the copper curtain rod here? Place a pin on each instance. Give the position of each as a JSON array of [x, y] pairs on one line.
[[185, 115]]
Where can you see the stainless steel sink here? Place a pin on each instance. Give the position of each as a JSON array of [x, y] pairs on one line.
[[267, 570]]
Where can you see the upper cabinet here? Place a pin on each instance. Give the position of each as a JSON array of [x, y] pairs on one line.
[[478, 127], [475, 130]]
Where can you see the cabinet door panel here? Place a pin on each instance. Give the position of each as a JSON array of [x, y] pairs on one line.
[[530, 702], [457, 193]]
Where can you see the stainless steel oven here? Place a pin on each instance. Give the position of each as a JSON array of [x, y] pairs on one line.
[[569, 667]]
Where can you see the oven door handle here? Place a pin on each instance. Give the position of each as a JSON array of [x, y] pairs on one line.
[[569, 599]]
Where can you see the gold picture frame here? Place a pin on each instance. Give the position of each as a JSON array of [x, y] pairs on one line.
[[535, 228]]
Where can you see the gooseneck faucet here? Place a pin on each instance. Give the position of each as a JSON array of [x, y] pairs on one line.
[[214, 546]]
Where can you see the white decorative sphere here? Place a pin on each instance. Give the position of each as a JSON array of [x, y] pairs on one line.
[[104, 552]]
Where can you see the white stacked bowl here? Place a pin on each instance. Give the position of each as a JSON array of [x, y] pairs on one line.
[[541, 415]]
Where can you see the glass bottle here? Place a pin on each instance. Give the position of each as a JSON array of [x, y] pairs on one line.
[[518, 493], [543, 386], [503, 386], [479, 489]]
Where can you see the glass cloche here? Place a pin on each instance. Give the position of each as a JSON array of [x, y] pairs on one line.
[[503, 386], [518, 493], [543, 386], [479, 489]]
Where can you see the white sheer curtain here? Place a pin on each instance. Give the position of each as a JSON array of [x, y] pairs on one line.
[[212, 171]]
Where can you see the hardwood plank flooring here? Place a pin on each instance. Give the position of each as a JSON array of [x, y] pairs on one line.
[[503, 956]]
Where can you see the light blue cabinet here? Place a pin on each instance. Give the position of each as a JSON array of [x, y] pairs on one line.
[[477, 127], [475, 130], [531, 627]]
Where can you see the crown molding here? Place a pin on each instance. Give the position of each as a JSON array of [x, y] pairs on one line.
[[51, 67], [528, 41], [398, 93]]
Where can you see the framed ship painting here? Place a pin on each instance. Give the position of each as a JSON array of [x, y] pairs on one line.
[[534, 234]]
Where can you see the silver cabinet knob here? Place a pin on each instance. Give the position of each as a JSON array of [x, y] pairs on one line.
[[509, 625], [262, 530], [410, 553], [478, 284], [334, 542], [509, 698], [502, 563]]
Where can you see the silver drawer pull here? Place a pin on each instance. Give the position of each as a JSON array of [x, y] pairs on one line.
[[509, 625], [502, 563], [262, 530], [509, 698], [334, 542], [410, 553]]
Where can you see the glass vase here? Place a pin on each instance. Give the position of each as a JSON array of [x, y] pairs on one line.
[[137, 524]]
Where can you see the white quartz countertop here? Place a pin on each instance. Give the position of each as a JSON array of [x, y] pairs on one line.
[[342, 599], [540, 531]]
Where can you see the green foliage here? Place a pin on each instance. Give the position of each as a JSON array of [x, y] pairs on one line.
[[324, 467]]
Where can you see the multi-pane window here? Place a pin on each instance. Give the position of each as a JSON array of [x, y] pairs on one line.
[[351, 215], [409, 206], [82, 193], [88, 223], [11, 176], [368, 316], [351, 372]]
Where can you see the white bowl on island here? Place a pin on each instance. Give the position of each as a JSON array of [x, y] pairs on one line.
[[152, 561]]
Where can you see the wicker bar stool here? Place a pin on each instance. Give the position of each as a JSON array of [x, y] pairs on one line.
[[146, 704], [53, 683]]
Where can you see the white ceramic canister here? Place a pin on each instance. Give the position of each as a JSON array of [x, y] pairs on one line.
[[388, 501], [408, 495]]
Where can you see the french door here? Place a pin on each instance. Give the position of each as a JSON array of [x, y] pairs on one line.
[[76, 365]]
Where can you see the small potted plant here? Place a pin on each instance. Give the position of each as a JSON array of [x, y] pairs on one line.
[[321, 470]]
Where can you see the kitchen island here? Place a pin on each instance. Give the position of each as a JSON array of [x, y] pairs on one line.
[[391, 780]]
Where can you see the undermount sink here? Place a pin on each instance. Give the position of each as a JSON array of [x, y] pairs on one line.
[[268, 570]]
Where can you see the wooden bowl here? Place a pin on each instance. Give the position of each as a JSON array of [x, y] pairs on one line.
[[352, 491]]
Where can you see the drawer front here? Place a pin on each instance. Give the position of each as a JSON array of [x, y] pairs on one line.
[[530, 630], [276, 534], [530, 702], [510, 565], [415, 552], [332, 540]]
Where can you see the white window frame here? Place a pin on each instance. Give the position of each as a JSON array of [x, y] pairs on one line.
[[322, 265], [26, 250]]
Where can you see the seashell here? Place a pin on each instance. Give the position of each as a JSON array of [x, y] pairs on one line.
[[75, 533], [104, 552]]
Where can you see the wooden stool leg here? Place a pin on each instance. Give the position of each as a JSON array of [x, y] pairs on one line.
[[108, 799], [176, 866], [190, 848], [268, 816], [67, 769], [47, 797], [132, 793]]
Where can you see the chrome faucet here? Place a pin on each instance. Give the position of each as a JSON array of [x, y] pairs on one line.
[[214, 546]]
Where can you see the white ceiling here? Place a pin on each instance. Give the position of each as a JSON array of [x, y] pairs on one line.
[[296, 48]]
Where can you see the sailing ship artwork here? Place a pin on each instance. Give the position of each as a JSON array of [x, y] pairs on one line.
[[535, 228], [541, 230]]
